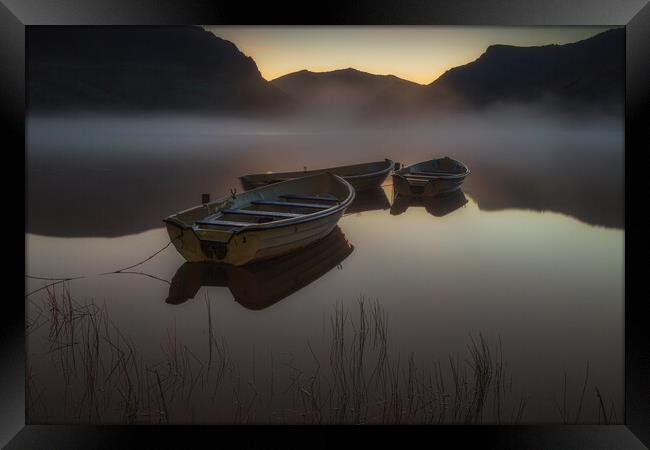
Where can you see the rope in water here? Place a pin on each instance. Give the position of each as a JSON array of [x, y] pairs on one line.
[[171, 241], [123, 270], [51, 279]]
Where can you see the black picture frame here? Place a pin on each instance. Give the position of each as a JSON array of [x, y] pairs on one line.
[[15, 15]]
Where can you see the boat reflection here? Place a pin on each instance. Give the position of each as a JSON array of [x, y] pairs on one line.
[[261, 284], [436, 206], [369, 200]]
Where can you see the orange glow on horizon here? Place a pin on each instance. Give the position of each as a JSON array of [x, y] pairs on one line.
[[418, 54]]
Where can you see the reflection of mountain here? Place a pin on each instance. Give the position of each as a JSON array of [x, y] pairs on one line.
[[90, 196], [369, 200], [589, 189], [143, 68], [436, 206], [259, 285], [72, 199]]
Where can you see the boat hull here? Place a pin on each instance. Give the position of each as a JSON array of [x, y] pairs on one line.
[[428, 188], [437, 177], [261, 224], [250, 246], [367, 183], [376, 174]]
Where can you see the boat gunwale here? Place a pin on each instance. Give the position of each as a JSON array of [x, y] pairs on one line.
[[303, 218], [405, 171], [386, 171]]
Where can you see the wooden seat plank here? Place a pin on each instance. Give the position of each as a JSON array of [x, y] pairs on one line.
[[290, 204], [418, 180], [422, 177], [224, 223], [329, 198], [251, 212], [419, 177], [424, 173]]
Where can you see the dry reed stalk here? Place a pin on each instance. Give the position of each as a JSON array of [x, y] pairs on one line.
[[357, 380]]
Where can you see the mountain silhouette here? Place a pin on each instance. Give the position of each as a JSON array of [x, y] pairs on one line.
[[185, 68], [150, 68], [338, 89], [587, 73]]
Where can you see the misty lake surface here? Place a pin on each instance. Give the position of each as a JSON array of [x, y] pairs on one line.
[[530, 254]]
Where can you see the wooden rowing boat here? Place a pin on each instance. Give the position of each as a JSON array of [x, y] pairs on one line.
[[262, 223], [437, 206], [430, 178], [360, 176], [261, 284]]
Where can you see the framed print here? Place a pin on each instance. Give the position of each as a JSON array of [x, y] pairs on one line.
[[387, 215]]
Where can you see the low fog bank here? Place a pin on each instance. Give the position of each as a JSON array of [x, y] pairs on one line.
[[147, 167], [497, 128]]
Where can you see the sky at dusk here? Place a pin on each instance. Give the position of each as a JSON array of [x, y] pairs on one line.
[[419, 54]]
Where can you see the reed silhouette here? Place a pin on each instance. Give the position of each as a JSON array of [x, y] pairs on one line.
[[355, 377]]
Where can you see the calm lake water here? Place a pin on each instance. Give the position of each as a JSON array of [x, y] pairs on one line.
[[530, 255]]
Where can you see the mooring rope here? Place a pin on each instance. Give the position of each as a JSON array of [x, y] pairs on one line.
[[171, 241], [123, 270], [147, 275], [52, 279]]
